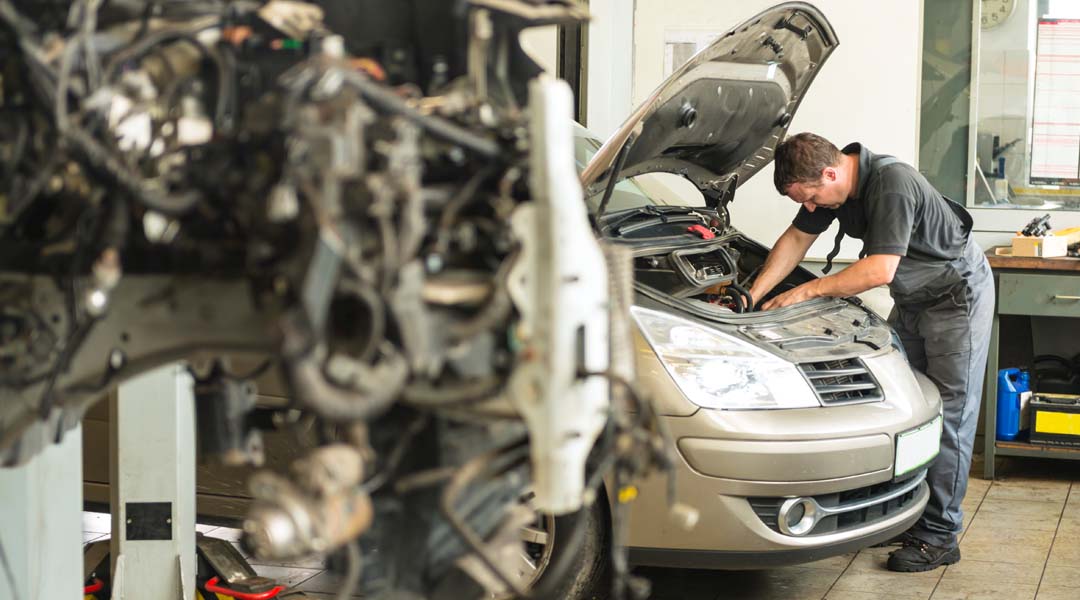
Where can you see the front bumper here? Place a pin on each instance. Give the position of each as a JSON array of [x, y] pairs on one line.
[[729, 460], [740, 532], [781, 555]]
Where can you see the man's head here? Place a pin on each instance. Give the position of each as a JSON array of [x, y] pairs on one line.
[[810, 170]]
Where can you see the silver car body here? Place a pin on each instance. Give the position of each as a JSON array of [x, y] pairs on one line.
[[771, 485]]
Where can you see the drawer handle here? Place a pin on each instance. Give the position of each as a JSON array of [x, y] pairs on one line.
[[1063, 297]]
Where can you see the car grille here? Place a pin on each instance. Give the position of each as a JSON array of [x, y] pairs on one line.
[[845, 381], [852, 509]]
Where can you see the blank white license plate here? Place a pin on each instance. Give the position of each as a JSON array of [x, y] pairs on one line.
[[917, 447]]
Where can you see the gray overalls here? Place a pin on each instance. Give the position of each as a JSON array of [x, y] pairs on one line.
[[946, 333], [943, 315]]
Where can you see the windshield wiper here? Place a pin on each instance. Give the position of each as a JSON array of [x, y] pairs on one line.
[[653, 215]]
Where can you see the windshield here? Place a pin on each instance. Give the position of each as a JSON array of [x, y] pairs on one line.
[[664, 189]]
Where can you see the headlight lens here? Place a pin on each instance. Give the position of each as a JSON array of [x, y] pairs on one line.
[[897, 343], [716, 370]]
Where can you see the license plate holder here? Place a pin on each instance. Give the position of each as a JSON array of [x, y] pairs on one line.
[[916, 447]]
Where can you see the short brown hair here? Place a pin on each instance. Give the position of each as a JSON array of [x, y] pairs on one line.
[[801, 158]]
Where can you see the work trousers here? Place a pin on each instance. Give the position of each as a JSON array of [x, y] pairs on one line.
[[947, 338]]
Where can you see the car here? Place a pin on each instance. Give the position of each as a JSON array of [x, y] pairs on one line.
[[799, 433]]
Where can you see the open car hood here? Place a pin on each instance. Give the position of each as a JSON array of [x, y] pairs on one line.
[[718, 118]]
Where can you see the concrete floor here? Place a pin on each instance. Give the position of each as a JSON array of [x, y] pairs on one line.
[[1021, 542]]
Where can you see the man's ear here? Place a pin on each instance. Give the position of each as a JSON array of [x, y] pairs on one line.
[[828, 174]]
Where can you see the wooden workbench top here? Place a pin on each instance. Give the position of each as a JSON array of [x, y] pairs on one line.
[[1030, 263]]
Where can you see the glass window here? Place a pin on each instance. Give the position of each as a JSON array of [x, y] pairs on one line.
[[1063, 9], [650, 189], [945, 103], [681, 44], [1027, 139]]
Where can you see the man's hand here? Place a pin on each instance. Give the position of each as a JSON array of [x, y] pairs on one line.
[[782, 260], [866, 273], [806, 291]]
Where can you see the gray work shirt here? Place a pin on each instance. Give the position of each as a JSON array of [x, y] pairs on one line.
[[897, 211]]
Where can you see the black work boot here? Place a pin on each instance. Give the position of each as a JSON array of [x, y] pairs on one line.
[[918, 556]]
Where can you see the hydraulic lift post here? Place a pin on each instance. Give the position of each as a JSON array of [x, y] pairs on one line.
[[152, 493], [41, 505]]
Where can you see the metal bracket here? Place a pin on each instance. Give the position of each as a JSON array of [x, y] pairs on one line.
[[721, 192], [777, 48], [149, 521], [802, 32]]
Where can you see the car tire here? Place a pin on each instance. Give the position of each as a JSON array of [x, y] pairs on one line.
[[588, 576]]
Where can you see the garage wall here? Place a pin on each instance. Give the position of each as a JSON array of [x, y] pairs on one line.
[[542, 44], [854, 98], [609, 65]]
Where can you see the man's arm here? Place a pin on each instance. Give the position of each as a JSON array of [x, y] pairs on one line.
[[864, 274], [786, 254]]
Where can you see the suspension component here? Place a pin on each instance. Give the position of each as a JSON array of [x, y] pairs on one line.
[[319, 509]]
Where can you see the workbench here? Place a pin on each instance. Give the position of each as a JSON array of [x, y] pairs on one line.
[[1026, 287]]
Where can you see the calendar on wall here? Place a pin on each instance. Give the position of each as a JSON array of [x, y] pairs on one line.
[[1055, 127]]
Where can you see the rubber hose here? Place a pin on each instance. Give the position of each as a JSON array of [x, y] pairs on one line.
[[749, 304], [443, 129], [468, 391], [738, 300], [332, 402]]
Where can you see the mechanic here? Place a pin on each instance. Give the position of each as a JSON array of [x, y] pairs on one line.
[[918, 242]]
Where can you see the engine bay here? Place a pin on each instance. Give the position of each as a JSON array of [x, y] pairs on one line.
[[719, 273], [713, 279]]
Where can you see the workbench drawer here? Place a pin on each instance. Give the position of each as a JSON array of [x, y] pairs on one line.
[[1039, 295]]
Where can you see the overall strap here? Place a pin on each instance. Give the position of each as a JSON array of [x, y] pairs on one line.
[[877, 163], [835, 248]]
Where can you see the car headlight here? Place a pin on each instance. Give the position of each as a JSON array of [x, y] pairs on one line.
[[716, 370], [897, 343]]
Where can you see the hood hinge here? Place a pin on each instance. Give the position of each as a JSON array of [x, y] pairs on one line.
[[720, 192], [802, 32]]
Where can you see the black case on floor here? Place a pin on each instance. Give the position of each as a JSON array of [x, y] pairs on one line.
[[1055, 419]]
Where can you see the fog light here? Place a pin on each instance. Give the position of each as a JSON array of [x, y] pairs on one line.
[[795, 515], [798, 516]]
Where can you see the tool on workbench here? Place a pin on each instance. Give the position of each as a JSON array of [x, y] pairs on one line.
[[1036, 239], [1038, 227]]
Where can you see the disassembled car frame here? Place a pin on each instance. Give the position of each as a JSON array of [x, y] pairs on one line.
[[397, 230]]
